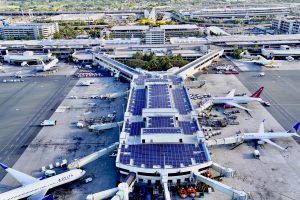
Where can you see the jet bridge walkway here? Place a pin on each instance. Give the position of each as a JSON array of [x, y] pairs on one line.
[[115, 66], [229, 140], [198, 64]]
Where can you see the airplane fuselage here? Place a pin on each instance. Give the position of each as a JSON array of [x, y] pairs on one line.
[[238, 100], [45, 184], [261, 136]]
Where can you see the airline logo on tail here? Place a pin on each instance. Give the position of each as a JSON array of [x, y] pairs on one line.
[[295, 129], [257, 93]]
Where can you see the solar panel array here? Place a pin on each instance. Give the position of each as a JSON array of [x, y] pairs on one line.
[[134, 129], [159, 96], [181, 101], [155, 122], [171, 130], [161, 155], [156, 80], [137, 101], [188, 127]]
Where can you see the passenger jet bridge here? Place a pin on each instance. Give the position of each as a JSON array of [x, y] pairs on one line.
[[119, 69], [193, 67]]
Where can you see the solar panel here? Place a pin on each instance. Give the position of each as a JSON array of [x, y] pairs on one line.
[[154, 122], [172, 130], [134, 129], [188, 127], [181, 100], [137, 101], [159, 96], [161, 155], [156, 80]]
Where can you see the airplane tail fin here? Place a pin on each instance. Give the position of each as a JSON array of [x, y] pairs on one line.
[[271, 63], [257, 93], [3, 166], [295, 129]]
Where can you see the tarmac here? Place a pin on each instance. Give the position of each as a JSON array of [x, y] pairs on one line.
[[276, 174], [281, 90], [66, 141], [23, 106], [247, 65]]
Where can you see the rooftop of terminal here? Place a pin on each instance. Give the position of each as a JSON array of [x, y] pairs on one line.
[[159, 106]]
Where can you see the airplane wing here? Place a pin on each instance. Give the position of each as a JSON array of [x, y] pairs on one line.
[[39, 195], [237, 105], [262, 127], [274, 144], [24, 179], [231, 93]]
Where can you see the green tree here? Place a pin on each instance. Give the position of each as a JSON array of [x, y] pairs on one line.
[[138, 55], [237, 53], [136, 63]]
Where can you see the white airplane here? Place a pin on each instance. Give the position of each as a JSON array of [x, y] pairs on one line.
[[264, 137], [46, 67], [234, 101], [36, 189]]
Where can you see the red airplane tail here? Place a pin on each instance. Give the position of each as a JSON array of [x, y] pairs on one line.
[[257, 93]]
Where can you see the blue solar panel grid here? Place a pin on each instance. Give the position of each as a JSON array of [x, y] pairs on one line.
[[137, 101], [181, 101], [161, 155], [159, 96], [172, 130], [156, 80], [154, 122], [134, 129], [188, 127]]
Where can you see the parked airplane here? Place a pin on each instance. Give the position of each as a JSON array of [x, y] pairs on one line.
[[264, 62], [46, 67], [36, 189], [264, 137], [234, 101], [260, 60]]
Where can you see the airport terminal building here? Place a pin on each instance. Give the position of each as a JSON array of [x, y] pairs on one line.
[[161, 133]]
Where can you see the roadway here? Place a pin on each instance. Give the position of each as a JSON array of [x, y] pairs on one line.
[[281, 90], [23, 106]]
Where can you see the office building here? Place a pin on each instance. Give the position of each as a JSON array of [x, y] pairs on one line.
[[155, 36], [29, 30], [182, 30], [287, 25], [128, 31]]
